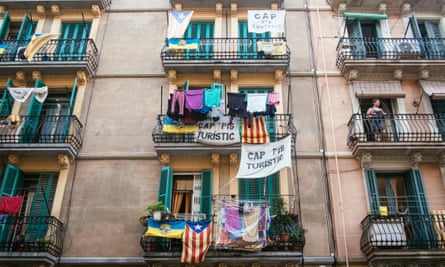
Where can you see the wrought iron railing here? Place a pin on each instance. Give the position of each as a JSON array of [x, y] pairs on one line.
[[232, 49], [42, 130], [31, 234], [403, 232], [428, 128], [282, 124], [389, 48], [56, 50]]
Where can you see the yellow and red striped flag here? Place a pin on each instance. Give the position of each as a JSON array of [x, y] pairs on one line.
[[37, 41], [254, 131], [196, 241]]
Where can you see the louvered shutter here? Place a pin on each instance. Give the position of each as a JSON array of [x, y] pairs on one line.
[[200, 30], [165, 186], [67, 119], [32, 116], [248, 47], [7, 100], [206, 193], [11, 186], [73, 41], [41, 205], [26, 28], [4, 27], [373, 193]]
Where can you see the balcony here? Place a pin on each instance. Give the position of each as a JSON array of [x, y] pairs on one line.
[[179, 143], [403, 135], [226, 3], [42, 136], [404, 238], [276, 249], [57, 56], [64, 4], [30, 239], [384, 55], [244, 54], [393, 7]]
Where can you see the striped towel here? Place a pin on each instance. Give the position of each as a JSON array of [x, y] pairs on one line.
[[256, 133]]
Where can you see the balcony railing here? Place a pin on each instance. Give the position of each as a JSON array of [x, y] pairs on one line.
[[403, 232], [43, 130], [230, 51], [283, 126], [398, 128], [64, 4], [31, 234], [389, 49], [76, 52]]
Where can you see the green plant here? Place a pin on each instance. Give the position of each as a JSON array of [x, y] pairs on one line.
[[150, 210], [284, 223], [297, 237]]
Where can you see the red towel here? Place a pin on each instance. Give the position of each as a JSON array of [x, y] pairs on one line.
[[11, 205]]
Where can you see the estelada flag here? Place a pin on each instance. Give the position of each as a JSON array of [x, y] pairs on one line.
[[196, 241]]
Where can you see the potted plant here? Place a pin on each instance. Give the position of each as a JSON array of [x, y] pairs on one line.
[[297, 238], [283, 224]]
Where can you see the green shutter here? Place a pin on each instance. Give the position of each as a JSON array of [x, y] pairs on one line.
[[415, 26], [206, 193], [69, 111], [4, 27], [273, 189], [26, 28], [7, 100], [32, 116], [251, 189], [72, 45], [373, 193], [356, 38], [11, 186], [166, 186], [41, 205], [416, 193], [200, 30], [248, 49]]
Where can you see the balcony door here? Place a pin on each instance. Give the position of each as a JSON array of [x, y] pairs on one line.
[[403, 195], [37, 190], [18, 34], [204, 32], [247, 45], [364, 38], [7, 101], [386, 105], [73, 41], [438, 106], [429, 31]]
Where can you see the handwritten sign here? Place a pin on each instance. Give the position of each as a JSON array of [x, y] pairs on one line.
[[220, 132]]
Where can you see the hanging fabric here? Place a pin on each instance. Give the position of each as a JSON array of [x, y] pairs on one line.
[[21, 94]]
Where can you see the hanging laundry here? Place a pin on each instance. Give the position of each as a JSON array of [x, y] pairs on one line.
[[237, 105], [11, 205], [254, 132], [250, 224], [194, 99], [256, 103], [273, 98], [233, 222], [212, 97], [178, 97]]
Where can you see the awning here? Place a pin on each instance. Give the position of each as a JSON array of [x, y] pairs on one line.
[[350, 15], [435, 89], [378, 89]]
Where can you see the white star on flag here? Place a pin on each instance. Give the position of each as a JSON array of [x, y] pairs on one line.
[[198, 227]]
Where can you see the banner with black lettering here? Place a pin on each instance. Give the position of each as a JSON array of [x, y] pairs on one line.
[[220, 132], [261, 160], [260, 21]]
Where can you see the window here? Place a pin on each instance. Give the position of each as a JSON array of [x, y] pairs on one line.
[[73, 41], [17, 30], [429, 31], [38, 190], [386, 105], [186, 192], [364, 38], [248, 43], [204, 32]]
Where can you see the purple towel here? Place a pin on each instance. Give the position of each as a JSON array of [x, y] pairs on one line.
[[194, 99], [233, 220]]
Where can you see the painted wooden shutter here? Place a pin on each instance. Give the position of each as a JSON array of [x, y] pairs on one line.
[[69, 112], [4, 27], [32, 116], [250, 189], [435, 43], [438, 106], [418, 34], [356, 38], [201, 30], [26, 28], [247, 47], [206, 193], [418, 209], [41, 205], [73, 41], [11, 186], [273, 189], [166, 186], [7, 100], [373, 192]]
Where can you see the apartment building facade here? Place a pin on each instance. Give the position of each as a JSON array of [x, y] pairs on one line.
[[385, 171]]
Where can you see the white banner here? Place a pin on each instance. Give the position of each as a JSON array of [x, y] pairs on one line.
[[220, 132], [260, 21], [178, 21], [21, 94], [265, 159]]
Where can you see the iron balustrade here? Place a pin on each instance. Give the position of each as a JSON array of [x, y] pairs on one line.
[[233, 49], [429, 128], [389, 49], [31, 234], [409, 231], [283, 125], [50, 129], [55, 50]]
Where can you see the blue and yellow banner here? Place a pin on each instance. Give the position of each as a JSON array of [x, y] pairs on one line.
[[169, 229], [176, 43]]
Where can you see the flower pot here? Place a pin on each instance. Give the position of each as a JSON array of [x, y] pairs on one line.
[[157, 215], [284, 237]]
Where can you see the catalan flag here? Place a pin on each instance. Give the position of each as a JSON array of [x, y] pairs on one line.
[[169, 229], [37, 41], [196, 241], [254, 131]]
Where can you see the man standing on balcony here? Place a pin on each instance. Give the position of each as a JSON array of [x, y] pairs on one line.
[[376, 117]]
